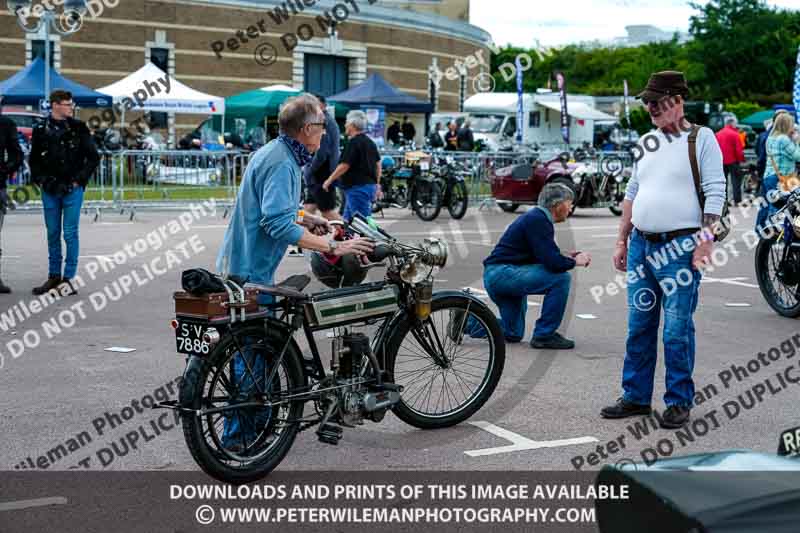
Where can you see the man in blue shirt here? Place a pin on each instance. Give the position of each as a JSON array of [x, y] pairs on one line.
[[263, 224], [527, 261]]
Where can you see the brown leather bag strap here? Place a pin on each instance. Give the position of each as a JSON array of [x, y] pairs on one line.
[[695, 166]]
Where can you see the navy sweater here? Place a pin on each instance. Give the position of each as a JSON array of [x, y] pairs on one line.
[[530, 240]]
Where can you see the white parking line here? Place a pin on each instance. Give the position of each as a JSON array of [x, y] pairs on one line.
[[520, 443], [728, 281], [38, 502]]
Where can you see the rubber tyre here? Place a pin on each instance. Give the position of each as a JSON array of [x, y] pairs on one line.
[[762, 274], [460, 209], [508, 208], [415, 419], [437, 195], [191, 392]]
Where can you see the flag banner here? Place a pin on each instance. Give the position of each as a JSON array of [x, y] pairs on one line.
[[520, 107], [797, 88], [562, 90]]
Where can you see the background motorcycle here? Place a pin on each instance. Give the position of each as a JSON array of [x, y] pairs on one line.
[[597, 186], [451, 175], [415, 361], [777, 258]]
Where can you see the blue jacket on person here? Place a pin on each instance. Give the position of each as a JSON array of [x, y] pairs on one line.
[[530, 239], [263, 223], [326, 158]]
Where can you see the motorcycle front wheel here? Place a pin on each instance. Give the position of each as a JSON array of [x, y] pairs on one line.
[[241, 444], [449, 364], [459, 200], [781, 294], [426, 200]]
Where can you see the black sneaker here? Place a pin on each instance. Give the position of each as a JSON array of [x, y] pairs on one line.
[[4, 289], [53, 281], [676, 416], [72, 290], [455, 328], [553, 342], [624, 409]]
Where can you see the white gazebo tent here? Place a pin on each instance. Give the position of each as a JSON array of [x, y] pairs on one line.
[[151, 89]]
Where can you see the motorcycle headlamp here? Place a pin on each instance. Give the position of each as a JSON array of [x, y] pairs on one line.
[[619, 178]]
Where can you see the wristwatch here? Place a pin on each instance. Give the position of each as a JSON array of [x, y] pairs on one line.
[[332, 245]]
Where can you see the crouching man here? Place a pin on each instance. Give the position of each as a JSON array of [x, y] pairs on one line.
[[527, 261]]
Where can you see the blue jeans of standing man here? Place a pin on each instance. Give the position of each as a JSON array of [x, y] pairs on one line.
[[673, 286], [509, 287], [63, 211], [358, 199]]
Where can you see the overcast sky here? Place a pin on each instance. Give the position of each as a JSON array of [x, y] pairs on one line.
[[520, 22]]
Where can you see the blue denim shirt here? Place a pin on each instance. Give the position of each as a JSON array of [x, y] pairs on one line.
[[263, 224]]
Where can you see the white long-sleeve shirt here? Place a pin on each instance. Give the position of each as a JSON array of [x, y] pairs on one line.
[[662, 187]]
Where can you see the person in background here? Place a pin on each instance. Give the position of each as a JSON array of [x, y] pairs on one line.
[[761, 167], [434, 139], [525, 261], [10, 161], [782, 153], [393, 132], [359, 168], [662, 217], [730, 142], [451, 137], [325, 161], [63, 158], [409, 131], [466, 141]]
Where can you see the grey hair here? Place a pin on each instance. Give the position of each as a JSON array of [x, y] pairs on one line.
[[358, 119], [298, 111], [553, 194], [731, 120]]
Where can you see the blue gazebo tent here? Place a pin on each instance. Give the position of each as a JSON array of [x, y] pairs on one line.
[[377, 91], [26, 87]]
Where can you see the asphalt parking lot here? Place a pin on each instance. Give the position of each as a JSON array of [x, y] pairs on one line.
[[543, 416]]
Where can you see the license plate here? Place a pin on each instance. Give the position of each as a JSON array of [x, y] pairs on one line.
[[189, 339]]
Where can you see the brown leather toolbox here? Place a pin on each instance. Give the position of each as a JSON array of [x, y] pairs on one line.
[[213, 305]]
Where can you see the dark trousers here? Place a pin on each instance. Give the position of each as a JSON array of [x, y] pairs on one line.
[[734, 177]]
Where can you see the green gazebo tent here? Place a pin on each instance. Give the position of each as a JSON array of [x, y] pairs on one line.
[[756, 120], [256, 105]]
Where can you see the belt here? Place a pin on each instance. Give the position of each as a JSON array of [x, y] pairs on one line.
[[666, 236]]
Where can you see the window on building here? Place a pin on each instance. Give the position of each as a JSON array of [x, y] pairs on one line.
[[37, 50], [160, 58], [511, 127], [534, 119], [325, 75]]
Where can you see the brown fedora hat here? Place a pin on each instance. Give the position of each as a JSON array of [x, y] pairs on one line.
[[665, 83]]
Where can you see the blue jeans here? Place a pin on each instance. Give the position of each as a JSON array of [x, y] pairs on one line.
[[509, 287], [64, 210], [248, 376], [769, 183], [358, 199], [675, 288]]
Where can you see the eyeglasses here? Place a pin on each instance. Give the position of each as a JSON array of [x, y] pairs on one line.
[[67, 104], [315, 124]]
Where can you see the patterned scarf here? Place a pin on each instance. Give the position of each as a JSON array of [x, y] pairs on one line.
[[300, 152]]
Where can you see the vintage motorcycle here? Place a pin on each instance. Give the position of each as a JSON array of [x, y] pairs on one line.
[[598, 186], [396, 345], [777, 258], [451, 176]]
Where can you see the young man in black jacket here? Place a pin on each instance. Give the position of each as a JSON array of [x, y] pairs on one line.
[[63, 157], [10, 161]]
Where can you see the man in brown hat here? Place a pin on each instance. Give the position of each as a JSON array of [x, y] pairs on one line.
[[662, 247]]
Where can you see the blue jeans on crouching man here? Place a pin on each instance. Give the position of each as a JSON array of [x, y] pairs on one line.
[[674, 286], [63, 211], [509, 287]]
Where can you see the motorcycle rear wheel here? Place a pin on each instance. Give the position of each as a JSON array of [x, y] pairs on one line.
[[459, 200], [265, 434], [409, 362], [784, 299], [426, 200]]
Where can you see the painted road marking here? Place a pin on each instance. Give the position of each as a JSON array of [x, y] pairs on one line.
[[737, 304], [586, 316], [729, 281], [25, 504], [520, 443]]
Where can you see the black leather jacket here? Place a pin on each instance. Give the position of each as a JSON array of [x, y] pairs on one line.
[[10, 151], [61, 157]]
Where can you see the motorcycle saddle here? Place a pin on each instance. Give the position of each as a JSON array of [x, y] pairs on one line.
[[291, 287]]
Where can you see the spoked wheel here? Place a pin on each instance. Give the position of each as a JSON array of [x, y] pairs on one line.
[[242, 444], [426, 200], [779, 280], [449, 365], [459, 200]]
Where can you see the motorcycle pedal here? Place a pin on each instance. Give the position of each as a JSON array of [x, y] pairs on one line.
[[329, 439]]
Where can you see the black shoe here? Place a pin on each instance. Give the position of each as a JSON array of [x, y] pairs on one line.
[[624, 409], [4, 289], [455, 328], [53, 281], [72, 290], [676, 416], [553, 342]]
